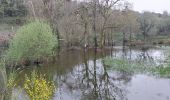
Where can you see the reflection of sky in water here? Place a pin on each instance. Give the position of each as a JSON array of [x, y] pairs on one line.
[[152, 56], [144, 87], [131, 87], [77, 86], [122, 86], [86, 82]]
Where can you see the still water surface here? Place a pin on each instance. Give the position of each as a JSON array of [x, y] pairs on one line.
[[82, 75]]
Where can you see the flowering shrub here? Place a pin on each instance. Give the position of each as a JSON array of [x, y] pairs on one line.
[[38, 88]]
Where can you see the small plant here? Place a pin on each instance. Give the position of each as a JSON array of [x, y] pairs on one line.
[[38, 88], [11, 84], [11, 80], [3, 81]]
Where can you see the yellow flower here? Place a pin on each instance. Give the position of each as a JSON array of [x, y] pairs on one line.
[[38, 88]]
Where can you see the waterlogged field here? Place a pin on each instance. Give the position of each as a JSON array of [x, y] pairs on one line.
[[129, 74]]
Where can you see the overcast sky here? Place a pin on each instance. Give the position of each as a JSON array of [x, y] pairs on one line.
[[151, 5]]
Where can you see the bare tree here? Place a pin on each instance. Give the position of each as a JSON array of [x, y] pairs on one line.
[[105, 9], [146, 21], [49, 10], [84, 20], [94, 4], [130, 23], [93, 19]]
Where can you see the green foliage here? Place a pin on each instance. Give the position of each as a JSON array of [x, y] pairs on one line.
[[33, 41], [38, 87], [124, 65], [147, 23], [3, 80], [11, 83], [136, 67], [163, 71]]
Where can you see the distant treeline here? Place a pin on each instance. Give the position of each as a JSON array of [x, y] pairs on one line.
[[12, 8], [12, 11], [91, 23]]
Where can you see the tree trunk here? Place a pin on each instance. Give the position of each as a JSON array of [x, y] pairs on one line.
[[94, 23], [102, 39], [130, 38], [56, 31], [123, 39], [85, 36], [144, 36]]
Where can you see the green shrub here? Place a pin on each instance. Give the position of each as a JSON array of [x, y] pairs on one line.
[[32, 41]]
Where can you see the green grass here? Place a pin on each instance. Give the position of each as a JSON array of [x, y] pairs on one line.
[[124, 65], [163, 71], [6, 28], [136, 67], [152, 39], [160, 39], [13, 20], [3, 80]]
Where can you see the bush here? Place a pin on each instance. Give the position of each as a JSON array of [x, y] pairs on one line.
[[33, 41], [38, 88]]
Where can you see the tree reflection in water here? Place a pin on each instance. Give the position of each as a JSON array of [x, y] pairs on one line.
[[92, 81], [82, 75]]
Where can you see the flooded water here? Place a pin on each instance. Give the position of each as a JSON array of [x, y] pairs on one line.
[[82, 75]]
